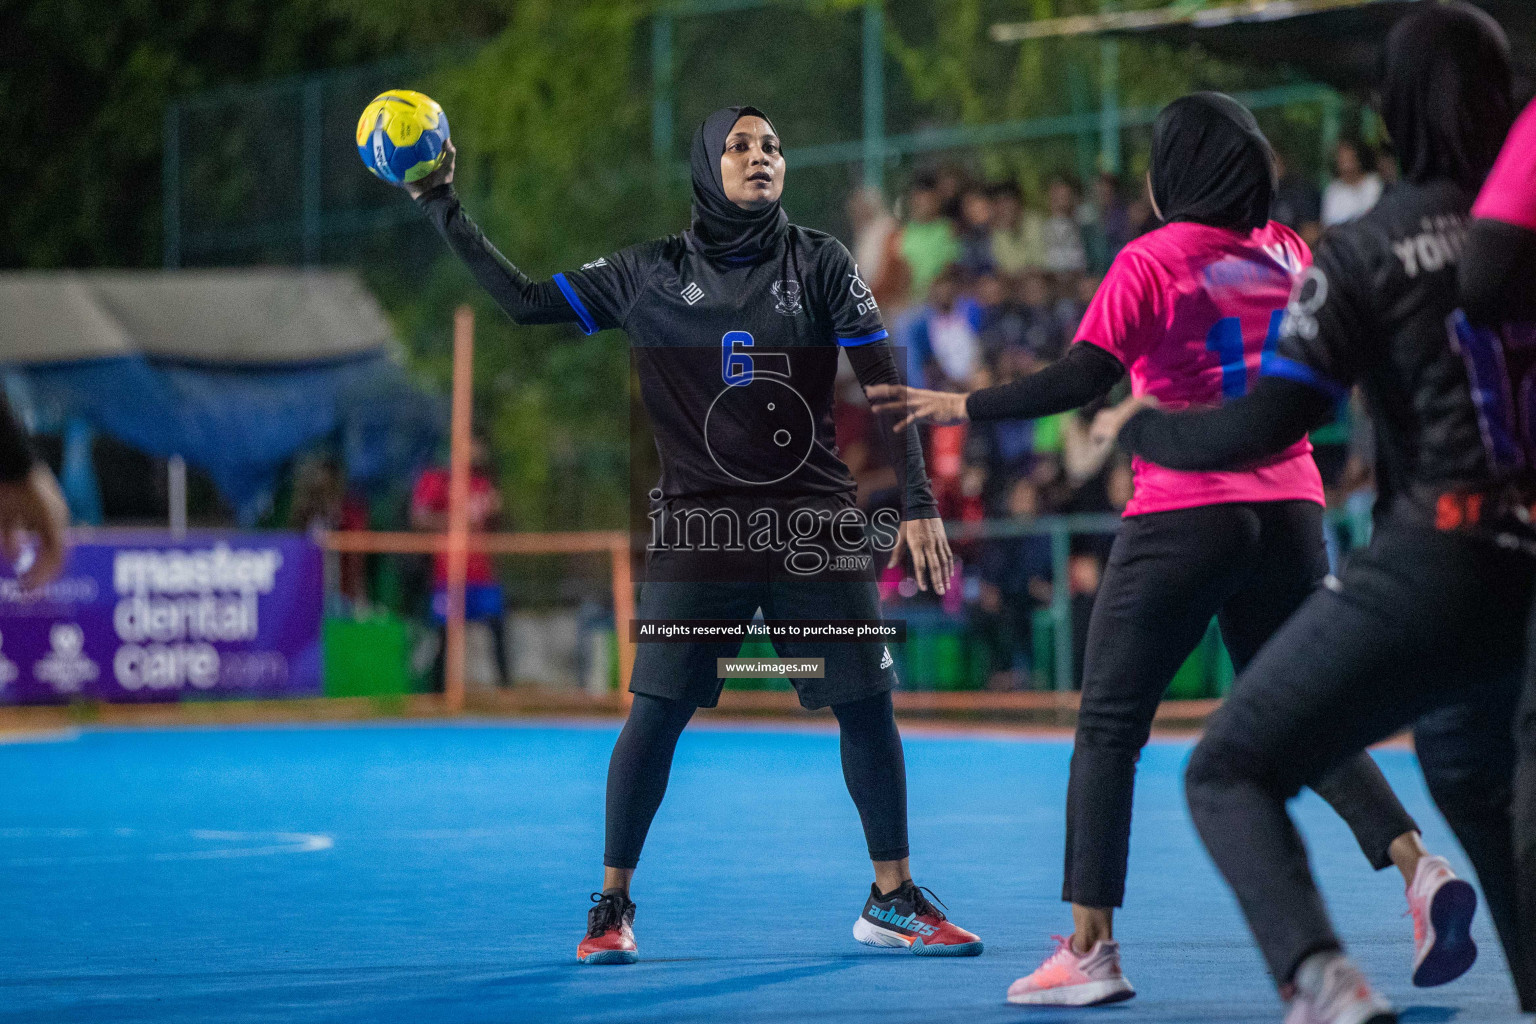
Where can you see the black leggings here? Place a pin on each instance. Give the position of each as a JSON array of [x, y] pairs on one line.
[[873, 768], [1425, 628], [1250, 565]]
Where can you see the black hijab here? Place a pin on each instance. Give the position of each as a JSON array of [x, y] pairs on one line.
[[1211, 164], [721, 229], [1446, 96]]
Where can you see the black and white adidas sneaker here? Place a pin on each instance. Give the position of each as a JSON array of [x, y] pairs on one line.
[[906, 918]]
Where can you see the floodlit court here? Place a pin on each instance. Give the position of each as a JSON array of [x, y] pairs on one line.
[[440, 873]]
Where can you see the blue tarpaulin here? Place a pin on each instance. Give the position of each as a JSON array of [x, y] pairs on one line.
[[236, 372]]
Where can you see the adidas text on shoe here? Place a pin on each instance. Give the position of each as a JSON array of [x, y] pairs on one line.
[[907, 918]]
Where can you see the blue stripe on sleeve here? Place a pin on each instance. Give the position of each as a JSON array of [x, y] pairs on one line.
[[588, 325], [1278, 366], [864, 339]]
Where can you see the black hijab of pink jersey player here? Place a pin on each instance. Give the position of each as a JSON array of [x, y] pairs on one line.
[[1211, 164], [1446, 94], [722, 230]]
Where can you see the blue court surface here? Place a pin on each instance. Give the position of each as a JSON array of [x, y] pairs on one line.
[[440, 873]]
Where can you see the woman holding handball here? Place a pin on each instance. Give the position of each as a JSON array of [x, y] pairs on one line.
[[736, 326], [1189, 311]]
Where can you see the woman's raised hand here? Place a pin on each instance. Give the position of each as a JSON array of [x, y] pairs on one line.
[[442, 176], [916, 405]]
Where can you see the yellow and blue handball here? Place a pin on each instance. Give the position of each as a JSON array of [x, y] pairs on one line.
[[401, 134]]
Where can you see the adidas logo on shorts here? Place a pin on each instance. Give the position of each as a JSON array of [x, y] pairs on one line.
[[886, 661]]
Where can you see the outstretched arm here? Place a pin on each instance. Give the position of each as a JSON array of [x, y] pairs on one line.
[[1086, 372], [519, 297], [1273, 416]]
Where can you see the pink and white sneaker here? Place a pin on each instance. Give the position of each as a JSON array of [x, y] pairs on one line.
[[1070, 978], [1442, 906], [1331, 990]]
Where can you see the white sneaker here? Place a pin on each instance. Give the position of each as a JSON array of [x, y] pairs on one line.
[[1442, 906], [1331, 990]]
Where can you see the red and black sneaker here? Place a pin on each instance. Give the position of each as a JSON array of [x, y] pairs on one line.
[[610, 931], [907, 918]]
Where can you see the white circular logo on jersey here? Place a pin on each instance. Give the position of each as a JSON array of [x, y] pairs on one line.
[[760, 432]]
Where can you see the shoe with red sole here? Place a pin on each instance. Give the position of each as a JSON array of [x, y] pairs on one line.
[[907, 918], [610, 931], [1070, 978], [1442, 906]]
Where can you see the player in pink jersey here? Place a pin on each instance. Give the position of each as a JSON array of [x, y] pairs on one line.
[[1190, 311]]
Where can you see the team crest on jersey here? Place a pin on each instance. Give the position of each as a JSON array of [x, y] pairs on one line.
[[786, 297]]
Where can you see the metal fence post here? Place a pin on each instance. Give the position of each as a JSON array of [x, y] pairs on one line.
[[874, 94], [170, 188], [1109, 99], [1061, 602], [661, 93], [313, 116], [1332, 126]]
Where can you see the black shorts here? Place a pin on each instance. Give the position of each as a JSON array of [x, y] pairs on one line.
[[715, 585]]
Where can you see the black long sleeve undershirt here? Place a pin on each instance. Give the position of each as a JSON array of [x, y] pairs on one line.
[[1085, 373], [1269, 419], [876, 364], [525, 301], [1498, 273]]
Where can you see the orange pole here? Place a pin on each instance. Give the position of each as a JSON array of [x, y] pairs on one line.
[[458, 505], [623, 612]]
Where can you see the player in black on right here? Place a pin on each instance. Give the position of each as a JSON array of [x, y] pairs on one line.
[[1427, 624], [737, 326]]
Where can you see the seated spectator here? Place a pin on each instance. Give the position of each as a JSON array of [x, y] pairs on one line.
[[1139, 217], [1017, 240], [1003, 322], [943, 344], [927, 240], [1297, 204], [1065, 251], [976, 231], [1043, 336], [1355, 188], [1111, 223], [872, 226], [1073, 294]]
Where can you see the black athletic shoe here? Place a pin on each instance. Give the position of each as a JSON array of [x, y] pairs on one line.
[[907, 918], [610, 931]]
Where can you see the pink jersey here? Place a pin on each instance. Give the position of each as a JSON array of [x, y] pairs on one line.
[[1509, 194], [1191, 311]]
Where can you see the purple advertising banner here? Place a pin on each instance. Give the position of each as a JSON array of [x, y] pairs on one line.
[[140, 617]]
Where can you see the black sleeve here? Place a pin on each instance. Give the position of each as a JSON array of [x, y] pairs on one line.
[[520, 298], [875, 363], [855, 321], [1086, 372], [16, 455], [1498, 273], [1269, 419], [849, 304]]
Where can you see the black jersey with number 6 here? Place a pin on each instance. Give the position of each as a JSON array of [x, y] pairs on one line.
[[736, 364]]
